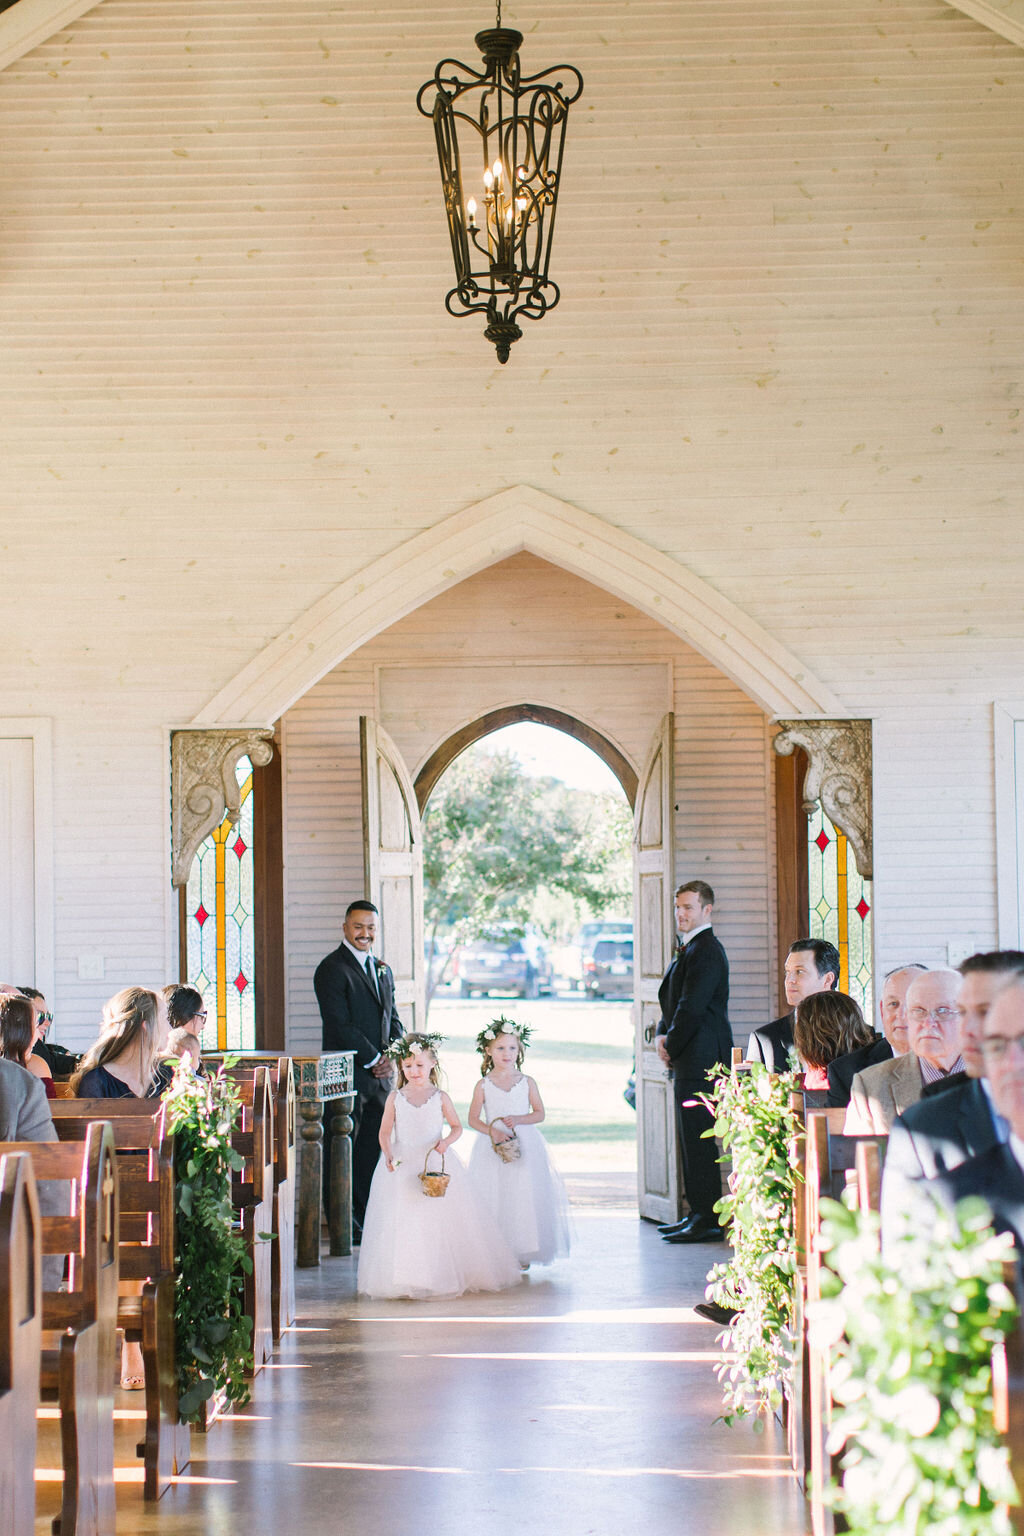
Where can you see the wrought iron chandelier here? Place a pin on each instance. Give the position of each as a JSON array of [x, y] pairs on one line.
[[501, 228]]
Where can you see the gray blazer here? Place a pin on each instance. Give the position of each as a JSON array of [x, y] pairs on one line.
[[882, 1092], [24, 1111], [933, 1137]]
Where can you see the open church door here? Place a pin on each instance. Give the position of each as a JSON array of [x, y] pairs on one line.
[[653, 938], [393, 865]]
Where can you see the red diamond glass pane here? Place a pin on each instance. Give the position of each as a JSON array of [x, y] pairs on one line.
[[240, 982], [862, 909], [238, 848], [823, 839], [201, 914]]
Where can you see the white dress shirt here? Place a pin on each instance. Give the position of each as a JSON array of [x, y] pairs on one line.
[[361, 957]]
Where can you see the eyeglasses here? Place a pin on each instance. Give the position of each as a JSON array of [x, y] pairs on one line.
[[940, 1015], [997, 1047], [44, 1018], [200, 1016]]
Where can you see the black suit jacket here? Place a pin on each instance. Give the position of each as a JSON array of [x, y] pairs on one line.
[[998, 1178], [354, 1018], [773, 1044], [844, 1069], [694, 998], [932, 1137]]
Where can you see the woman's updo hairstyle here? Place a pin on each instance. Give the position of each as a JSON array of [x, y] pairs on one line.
[[828, 1025]]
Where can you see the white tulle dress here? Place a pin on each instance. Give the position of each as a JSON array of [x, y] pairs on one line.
[[527, 1197], [417, 1246]]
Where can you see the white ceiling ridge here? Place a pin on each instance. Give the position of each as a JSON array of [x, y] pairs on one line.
[[1003, 16], [507, 523], [31, 22]]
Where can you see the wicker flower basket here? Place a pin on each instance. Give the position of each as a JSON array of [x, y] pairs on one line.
[[509, 1150], [434, 1184]]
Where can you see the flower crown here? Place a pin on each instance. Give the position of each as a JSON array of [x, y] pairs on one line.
[[404, 1046], [503, 1026]]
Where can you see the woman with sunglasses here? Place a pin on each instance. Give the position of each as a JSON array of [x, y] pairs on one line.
[[60, 1062], [19, 1031]]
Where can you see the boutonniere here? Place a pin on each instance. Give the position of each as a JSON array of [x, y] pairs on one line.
[[382, 969]]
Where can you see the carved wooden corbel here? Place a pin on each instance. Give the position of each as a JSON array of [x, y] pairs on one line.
[[839, 775], [203, 785]]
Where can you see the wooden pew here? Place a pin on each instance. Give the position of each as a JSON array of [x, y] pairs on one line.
[[78, 1373], [282, 1252], [834, 1161], [145, 1161], [21, 1312], [1008, 1392], [253, 1197]]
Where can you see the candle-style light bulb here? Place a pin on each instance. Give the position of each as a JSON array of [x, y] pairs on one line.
[[488, 180], [471, 210], [497, 170]]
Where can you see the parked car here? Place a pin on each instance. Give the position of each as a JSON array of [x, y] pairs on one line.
[[515, 964], [576, 955], [609, 971]]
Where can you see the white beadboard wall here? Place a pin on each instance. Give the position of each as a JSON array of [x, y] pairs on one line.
[[788, 356], [574, 637]]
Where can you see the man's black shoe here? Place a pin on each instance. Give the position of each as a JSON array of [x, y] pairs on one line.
[[723, 1316], [671, 1227], [701, 1232]]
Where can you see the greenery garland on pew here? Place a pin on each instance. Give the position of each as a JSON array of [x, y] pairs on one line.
[[754, 1122], [911, 1336], [213, 1337]]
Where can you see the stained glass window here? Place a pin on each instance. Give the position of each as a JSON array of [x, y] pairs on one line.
[[840, 907], [220, 925]]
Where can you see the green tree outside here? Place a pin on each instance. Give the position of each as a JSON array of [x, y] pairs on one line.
[[502, 846]]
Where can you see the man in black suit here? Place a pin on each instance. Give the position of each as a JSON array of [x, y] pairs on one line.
[[954, 1120], [356, 994], [812, 965], [998, 1174], [693, 1035], [892, 1007]]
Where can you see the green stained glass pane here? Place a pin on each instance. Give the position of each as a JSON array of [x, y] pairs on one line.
[[846, 923], [233, 910]]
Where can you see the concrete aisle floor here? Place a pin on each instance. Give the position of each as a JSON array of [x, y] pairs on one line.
[[582, 1404]]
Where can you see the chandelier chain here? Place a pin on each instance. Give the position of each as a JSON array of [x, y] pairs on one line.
[[498, 23]]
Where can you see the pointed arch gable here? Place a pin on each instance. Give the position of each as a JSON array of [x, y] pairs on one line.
[[517, 519], [31, 22]]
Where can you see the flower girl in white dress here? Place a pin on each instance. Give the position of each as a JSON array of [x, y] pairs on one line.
[[414, 1245], [523, 1190]]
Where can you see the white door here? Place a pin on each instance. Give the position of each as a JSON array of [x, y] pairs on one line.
[[653, 939], [393, 863], [17, 862]]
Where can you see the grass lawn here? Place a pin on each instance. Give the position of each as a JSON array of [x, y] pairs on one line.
[[581, 1057]]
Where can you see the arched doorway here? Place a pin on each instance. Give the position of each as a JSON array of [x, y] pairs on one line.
[[528, 915]]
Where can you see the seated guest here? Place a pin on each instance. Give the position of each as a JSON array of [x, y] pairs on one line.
[[998, 1174], [827, 1025], [186, 1015], [957, 1122], [60, 1062], [892, 1042], [812, 965], [183, 1043], [881, 1093], [123, 1062], [18, 1034]]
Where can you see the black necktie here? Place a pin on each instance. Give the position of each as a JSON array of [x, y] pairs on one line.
[[372, 977]]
